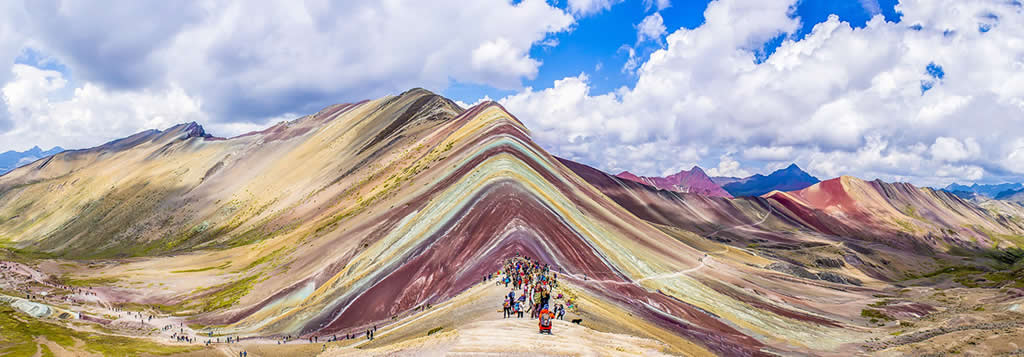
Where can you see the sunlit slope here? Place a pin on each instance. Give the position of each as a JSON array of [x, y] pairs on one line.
[[181, 189]]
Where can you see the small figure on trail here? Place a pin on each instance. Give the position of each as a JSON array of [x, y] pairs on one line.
[[545, 320], [561, 311], [506, 309]]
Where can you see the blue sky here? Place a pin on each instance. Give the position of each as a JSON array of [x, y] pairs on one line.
[[600, 39]]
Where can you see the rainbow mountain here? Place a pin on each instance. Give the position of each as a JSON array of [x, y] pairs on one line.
[[388, 212]]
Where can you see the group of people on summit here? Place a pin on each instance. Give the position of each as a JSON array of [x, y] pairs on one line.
[[537, 283]]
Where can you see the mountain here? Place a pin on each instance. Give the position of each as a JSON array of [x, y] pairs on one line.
[[880, 211], [883, 229], [391, 213], [990, 191], [690, 181], [787, 179], [12, 159], [1016, 195]]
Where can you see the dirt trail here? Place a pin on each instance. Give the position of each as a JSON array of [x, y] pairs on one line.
[[515, 337]]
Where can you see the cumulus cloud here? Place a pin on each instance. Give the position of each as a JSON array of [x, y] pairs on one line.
[[728, 167], [657, 5], [841, 101], [245, 62], [590, 7], [948, 149], [91, 116], [258, 60], [768, 153], [503, 63], [651, 28]]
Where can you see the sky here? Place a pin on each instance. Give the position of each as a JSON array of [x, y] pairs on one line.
[[924, 91]]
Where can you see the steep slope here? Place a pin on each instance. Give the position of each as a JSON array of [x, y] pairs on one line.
[[12, 159], [367, 214], [875, 209], [787, 179], [687, 181]]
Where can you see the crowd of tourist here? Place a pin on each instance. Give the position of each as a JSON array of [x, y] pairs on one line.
[[536, 283]]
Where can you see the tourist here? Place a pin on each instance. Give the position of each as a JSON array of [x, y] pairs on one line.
[[545, 320]]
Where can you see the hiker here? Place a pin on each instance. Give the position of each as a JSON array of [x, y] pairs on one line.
[[545, 320], [561, 311], [506, 309], [519, 309]]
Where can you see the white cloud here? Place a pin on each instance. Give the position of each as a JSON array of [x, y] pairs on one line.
[[651, 28], [91, 116], [248, 61], [728, 167], [769, 153], [590, 7], [632, 60], [871, 6], [841, 101], [657, 5], [257, 59], [948, 149], [502, 63]]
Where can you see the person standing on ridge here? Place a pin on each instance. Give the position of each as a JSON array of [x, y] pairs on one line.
[[506, 309]]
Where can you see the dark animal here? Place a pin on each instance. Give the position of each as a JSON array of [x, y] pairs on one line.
[[577, 321]]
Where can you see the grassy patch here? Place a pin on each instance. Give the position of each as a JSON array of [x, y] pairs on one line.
[[21, 331], [875, 315], [954, 270], [880, 303], [263, 259], [228, 294], [434, 330]]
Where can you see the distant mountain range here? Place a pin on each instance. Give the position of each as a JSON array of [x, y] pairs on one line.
[[990, 191], [790, 178], [686, 181], [696, 181], [1016, 195], [13, 159]]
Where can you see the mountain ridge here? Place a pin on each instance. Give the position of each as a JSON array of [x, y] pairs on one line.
[[694, 180], [11, 159], [786, 179]]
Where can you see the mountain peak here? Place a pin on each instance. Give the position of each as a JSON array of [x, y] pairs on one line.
[[790, 178], [190, 129], [686, 181]]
